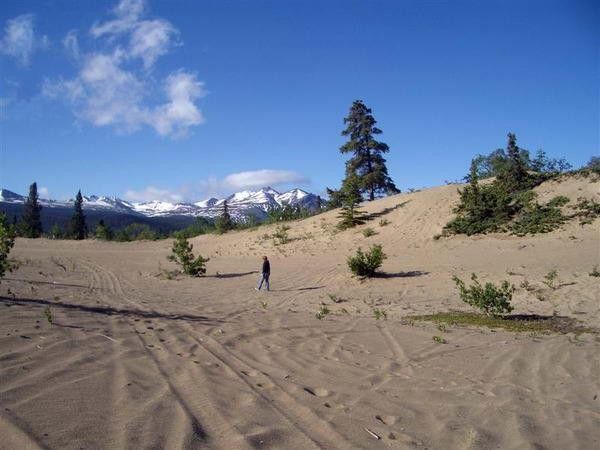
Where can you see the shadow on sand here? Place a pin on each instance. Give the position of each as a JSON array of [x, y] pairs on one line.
[[298, 289], [410, 274], [385, 211], [109, 310], [231, 275]]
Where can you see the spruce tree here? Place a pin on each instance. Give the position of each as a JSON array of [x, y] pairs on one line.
[[367, 162], [103, 231], [350, 215], [78, 227], [32, 222], [514, 177], [7, 241], [224, 223]]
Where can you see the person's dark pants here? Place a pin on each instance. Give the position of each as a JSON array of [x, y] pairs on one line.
[[265, 279]]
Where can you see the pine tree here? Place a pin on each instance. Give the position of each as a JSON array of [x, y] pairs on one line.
[[56, 232], [78, 228], [350, 215], [32, 222], [103, 231], [515, 176], [367, 161], [224, 223]]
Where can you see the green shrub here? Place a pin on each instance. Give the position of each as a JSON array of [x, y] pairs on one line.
[[535, 218], [48, 315], [587, 210], [490, 299], [365, 264], [322, 312], [182, 255], [439, 340], [550, 278], [384, 222], [281, 235], [7, 242], [368, 232], [379, 314]]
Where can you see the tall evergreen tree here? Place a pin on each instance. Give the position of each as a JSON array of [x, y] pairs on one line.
[[224, 223], [32, 222], [367, 161], [350, 196], [78, 227], [514, 177]]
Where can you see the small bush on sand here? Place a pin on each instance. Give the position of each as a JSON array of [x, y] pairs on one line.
[[439, 340], [587, 210], [379, 314], [490, 299], [7, 241], [48, 315], [365, 264], [368, 232], [281, 235], [594, 272], [550, 278], [182, 255], [322, 312], [384, 222]]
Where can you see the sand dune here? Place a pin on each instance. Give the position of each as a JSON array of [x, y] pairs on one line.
[[135, 360]]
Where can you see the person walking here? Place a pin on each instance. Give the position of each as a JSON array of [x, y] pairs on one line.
[[266, 273]]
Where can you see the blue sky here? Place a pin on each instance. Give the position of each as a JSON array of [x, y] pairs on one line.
[[185, 99]]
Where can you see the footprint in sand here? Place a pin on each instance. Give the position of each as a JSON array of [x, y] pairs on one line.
[[317, 392]]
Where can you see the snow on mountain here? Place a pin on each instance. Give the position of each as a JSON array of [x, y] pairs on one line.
[[10, 197], [241, 204]]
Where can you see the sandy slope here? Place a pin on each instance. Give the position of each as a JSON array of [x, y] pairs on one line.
[[138, 361]]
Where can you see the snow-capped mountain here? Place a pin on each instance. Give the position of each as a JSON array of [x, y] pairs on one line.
[[241, 204]]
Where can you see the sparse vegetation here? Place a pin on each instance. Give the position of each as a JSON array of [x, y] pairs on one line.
[[535, 218], [439, 340], [587, 210], [368, 232], [550, 278], [182, 254], [322, 312], [280, 236], [490, 299], [379, 314], [366, 264], [516, 323], [594, 272], [48, 315], [7, 241], [384, 222]]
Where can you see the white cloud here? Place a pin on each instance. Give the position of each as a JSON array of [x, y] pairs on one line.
[[114, 87], [180, 112], [71, 44], [152, 193], [127, 13], [261, 178], [150, 40], [44, 192], [19, 39]]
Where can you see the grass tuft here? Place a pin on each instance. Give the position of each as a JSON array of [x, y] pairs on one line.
[[517, 323]]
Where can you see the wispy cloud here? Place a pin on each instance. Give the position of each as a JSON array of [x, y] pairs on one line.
[[115, 87], [262, 178], [44, 192], [71, 44], [20, 41], [152, 193]]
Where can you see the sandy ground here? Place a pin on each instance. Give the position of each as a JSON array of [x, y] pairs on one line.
[[135, 360]]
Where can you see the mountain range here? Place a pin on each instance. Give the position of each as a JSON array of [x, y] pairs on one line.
[[116, 211]]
